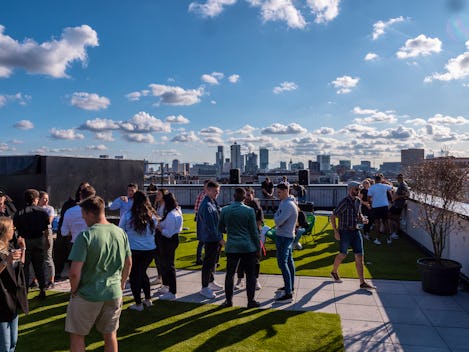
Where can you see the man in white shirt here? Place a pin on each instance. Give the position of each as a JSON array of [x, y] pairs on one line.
[[73, 222], [124, 203], [378, 195]]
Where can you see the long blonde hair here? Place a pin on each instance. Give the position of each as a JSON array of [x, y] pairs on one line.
[[5, 225]]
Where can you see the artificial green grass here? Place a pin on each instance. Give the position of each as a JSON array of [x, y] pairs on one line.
[[179, 326], [393, 262]]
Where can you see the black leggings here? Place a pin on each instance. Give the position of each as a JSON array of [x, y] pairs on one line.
[[166, 251], [138, 274]]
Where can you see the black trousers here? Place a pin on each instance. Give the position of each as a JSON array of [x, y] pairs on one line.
[[61, 251], [35, 255], [138, 274], [211, 255], [240, 270], [248, 261], [166, 251]]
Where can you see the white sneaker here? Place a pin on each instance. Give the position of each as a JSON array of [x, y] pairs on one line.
[[169, 296], [239, 284], [389, 241], [258, 285], [207, 293], [376, 241], [298, 246], [163, 289], [214, 286], [147, 302], [137, 307], [394, 236]]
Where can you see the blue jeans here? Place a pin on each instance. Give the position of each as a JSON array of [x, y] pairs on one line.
[[8, 335], [285, 261]]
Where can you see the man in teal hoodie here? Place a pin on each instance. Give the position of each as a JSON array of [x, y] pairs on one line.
[[238, 221]]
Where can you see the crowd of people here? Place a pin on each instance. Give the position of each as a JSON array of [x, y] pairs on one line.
[[103, 258]]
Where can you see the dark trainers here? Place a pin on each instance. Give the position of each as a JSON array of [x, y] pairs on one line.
[[336, 277], [282, 289], [254, 304], [367, 286], [226, 304], [285, 298]]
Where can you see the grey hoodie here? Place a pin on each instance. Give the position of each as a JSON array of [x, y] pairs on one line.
[[285, 217]]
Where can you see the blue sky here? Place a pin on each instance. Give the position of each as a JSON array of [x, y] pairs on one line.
[[172, 79]]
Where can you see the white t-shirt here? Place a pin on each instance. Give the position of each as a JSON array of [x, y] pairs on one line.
[[378, 192], [73, 222]]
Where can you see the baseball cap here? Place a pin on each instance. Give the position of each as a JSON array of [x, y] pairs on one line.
[[353, 184]]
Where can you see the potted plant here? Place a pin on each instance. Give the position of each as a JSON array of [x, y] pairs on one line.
[[439, 187]]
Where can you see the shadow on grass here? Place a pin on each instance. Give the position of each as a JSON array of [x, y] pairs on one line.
[[180, 326]]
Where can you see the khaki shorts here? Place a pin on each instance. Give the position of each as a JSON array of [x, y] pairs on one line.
[[83, 314]]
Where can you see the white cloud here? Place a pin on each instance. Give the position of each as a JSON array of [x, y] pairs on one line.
[[6, 148], [380, 27], [144, 122], [46, 150], [278, 128], [280, 10], [371, 57], [214, 139], [419, 46], [97, 147], [325, 10], [213, 78], [18, 97], [285, 86], [211, 8], [139, 137], [233, 78], [448, 120], [69, 134], [100, 125], [185, 137], [89, 101], [345, 84], [172, 95], [456, 68], [177, 119], [373, 115], [211, 130], [105, 136], [135, 96], [417, 122], [24, 125], [324, 131], [49, 58]]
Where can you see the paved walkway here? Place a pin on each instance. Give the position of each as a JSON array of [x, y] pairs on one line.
[[398, 316]]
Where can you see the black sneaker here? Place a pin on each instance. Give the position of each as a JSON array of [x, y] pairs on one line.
[[226, 304], [254, 304], [283, 289], [336, 277], [367, 286], [285, 298], [42, 295]]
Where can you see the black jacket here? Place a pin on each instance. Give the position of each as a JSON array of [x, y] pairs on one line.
[[13, 296]]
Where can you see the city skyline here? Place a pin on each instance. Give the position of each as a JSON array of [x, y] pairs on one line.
[[175, 79]]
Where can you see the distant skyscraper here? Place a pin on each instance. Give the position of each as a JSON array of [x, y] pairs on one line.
[[264, 158], [251, 163], [324, 162], [219, 159], [347, 164], [313, 167], [283, 165], [175, 165], [411, 157], [236, 160]]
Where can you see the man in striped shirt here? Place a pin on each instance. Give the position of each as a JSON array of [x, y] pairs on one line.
[[347, 211]]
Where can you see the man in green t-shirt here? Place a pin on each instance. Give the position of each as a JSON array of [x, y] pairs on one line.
[[101, 262]]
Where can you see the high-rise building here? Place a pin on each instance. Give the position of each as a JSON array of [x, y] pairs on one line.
[[236, 159], [347, 164], [411, 157], [313, 167], [264, 159], [324, 162], [175, 165], [219, 159], [251, 163], [283, 165]]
